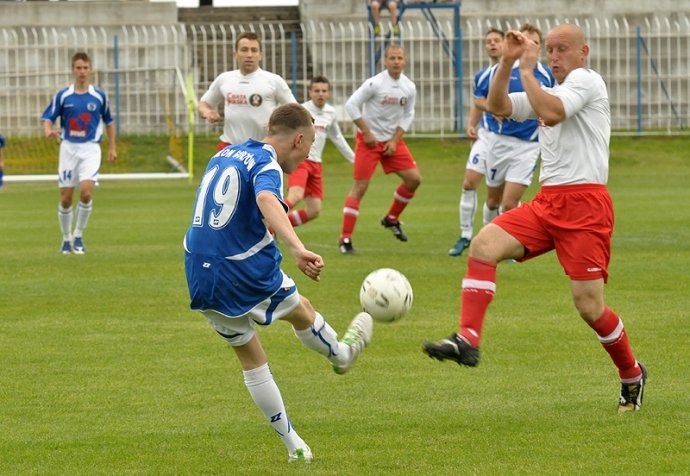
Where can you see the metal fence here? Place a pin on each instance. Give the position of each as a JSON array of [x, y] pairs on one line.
[[646, 65]]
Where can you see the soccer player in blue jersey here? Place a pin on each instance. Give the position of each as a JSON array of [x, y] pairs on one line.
[[513, 147], [475, 169], [233, 270], [2, 164], [83, 110]]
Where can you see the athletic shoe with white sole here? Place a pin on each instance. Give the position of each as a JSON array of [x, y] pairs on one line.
[[301, 455], [78, 246], [66, 248], [346, 248], [357, 337], [632, 393]]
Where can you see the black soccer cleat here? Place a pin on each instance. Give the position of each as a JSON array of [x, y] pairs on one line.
[[632, 393], [453, 348], [346, 248], [394, 228]]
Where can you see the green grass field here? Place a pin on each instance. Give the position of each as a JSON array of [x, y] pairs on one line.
[[104, 370]]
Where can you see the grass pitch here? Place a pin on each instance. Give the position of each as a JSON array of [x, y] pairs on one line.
[[106, 371]]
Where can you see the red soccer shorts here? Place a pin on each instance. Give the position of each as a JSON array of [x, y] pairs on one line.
[[366, 158], [575, 220], [308, 176]]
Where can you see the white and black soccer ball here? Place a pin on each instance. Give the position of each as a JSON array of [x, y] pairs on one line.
[[386, 295]]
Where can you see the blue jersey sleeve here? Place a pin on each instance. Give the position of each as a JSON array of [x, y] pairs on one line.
[[481, 83], [105, 109], [54, 109], [2, 141]]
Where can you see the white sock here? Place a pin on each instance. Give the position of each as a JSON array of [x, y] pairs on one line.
[[321, 338], [468, 208], [490, 214], [266, 395], [83, 214], [65, 219]]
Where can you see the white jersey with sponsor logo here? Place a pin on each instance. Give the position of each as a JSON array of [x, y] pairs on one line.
[[326, 125], [249, 101], [575, 151], [384, 104]]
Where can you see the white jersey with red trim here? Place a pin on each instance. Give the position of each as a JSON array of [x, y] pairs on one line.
[[576, 150], [326, 125], [249, 101], [384, 104]]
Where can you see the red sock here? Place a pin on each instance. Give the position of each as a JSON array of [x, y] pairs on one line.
[[290, 205], [350, 214], [401, 198], [478, 289], [298, 217], [609, 329]]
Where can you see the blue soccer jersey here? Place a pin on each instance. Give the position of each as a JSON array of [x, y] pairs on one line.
[[231, 261], [481, 89], [2, 141], [81, 115], [527, 130]]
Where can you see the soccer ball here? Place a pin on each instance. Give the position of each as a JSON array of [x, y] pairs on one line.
[[386, 295]]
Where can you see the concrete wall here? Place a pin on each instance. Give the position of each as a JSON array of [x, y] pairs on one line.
[[38, 14]]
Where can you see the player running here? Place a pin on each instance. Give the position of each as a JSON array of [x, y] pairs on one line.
[[383, 109], [306, 181], [249, 94]]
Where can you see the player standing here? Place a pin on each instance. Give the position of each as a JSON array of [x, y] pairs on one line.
[[383, 109], [83, 110], [233, 264], [572, 213], [512, 146], [475, 169], [249, 94], [306, 180]]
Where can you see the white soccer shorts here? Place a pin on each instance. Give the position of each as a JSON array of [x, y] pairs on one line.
[[509, 159], [78, 162], [477, 158], [239, 330]]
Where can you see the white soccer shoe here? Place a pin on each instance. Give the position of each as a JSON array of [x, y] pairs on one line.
[[301, 455], [357, 337]]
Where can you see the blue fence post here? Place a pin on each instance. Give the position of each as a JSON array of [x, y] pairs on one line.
[[116, 54], [639, 83], [459, 72], [293, 38]]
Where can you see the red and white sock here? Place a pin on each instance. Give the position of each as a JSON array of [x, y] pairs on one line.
[[478, 289], [401, 198], [350, 214], [298, 217], [614, 340]]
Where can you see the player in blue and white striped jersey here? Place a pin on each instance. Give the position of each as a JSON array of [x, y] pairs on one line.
[[83, 110], [233, 269], [512, 147]]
